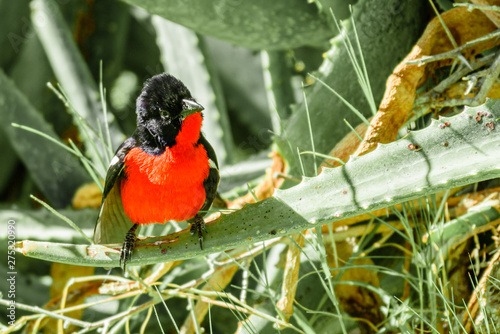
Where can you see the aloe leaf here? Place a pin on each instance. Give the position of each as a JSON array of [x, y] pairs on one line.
[[241, 173], [446, 236], [277, 67], [257, 24], [244, 93], [175, 42], [462, 153], [70, 68], [15, 29], [40, 224], [56, 172], [387, 31], [108, 43], [30, 74], [9, 161]]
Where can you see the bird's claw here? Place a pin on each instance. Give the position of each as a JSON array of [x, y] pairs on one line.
[[128, 247], [199, 227]]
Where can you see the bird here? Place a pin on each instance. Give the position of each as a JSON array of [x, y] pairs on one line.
[[166, 170]]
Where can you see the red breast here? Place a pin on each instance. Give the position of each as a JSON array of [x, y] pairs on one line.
[[159, 188]]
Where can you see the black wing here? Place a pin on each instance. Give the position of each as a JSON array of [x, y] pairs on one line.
[[212, 181], [112, 223]]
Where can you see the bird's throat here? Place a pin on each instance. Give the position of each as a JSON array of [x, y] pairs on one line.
[[155, 144], [190, 130]]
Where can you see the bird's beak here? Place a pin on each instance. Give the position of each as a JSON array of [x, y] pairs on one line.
[[190, 107]]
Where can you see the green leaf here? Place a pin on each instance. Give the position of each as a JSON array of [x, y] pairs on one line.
[[109, 41], [15, 29], [277, 66], [462, 153], [244, 93], [41, 224], [387, 31], [30, 74], [445, 236], [257, 24], [9, 161], [175, 42], [56, 172], [70, 69]]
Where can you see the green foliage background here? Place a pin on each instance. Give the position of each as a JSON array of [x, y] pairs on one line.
[[245, 61]]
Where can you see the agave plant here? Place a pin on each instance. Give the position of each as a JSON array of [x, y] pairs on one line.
[[354, 187]]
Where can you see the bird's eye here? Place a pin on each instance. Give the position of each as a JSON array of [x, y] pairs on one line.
[[163, 113]]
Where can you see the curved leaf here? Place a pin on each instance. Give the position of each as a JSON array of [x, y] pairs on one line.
[[462, 153], [257, 24], [56, 172], [386, 31]]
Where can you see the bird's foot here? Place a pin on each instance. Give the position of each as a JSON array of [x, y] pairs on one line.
[[198, 226], [128, 247]]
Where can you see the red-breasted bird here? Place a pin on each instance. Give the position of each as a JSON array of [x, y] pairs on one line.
[[165, 171]]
